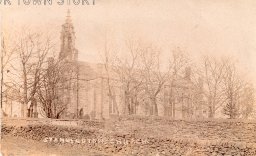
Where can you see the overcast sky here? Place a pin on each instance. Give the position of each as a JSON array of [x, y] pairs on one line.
[[216, 27]]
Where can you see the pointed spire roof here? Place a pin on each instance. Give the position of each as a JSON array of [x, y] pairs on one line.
[[67, 38], [68, 17]]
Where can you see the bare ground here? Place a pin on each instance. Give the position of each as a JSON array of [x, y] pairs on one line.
[[18, 146], [166, 137]]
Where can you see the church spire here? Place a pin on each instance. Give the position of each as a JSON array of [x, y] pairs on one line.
[[68, 17], [67, 37], [68, 13]]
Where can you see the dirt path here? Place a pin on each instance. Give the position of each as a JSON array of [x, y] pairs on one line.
[[17, 146]]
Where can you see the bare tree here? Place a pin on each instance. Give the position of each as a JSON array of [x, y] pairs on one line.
[[178, 62], [153, 75], [233, 85], [107, 59], [247, 107], [49, 87], [32, 50], [128, 72], [213, 72], [6, 58]]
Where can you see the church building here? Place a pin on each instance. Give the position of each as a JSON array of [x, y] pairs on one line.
[[89, 94], [92, 92]]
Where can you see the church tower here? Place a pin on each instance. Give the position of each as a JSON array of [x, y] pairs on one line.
[[68, 51], [68, 58]]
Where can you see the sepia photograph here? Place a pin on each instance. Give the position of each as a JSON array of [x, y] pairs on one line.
[[128, 78]]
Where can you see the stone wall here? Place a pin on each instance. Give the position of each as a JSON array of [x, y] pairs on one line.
[[54, 122], [163, 136]]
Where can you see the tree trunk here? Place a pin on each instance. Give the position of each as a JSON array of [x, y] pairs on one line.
[[155, 106], [22, 109], [25, 93], [127, 104], [173, 110], [25, 104], [211, 112]]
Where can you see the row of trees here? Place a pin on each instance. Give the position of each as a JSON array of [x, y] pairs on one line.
[[141, 73], [140, 68], [32, 69], [226, 88], [143, 76]]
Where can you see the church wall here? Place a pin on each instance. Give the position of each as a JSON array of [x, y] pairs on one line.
[[86, 97], [105, 98], [92, 94], [12, 108], [161, 104], [97, 99]]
